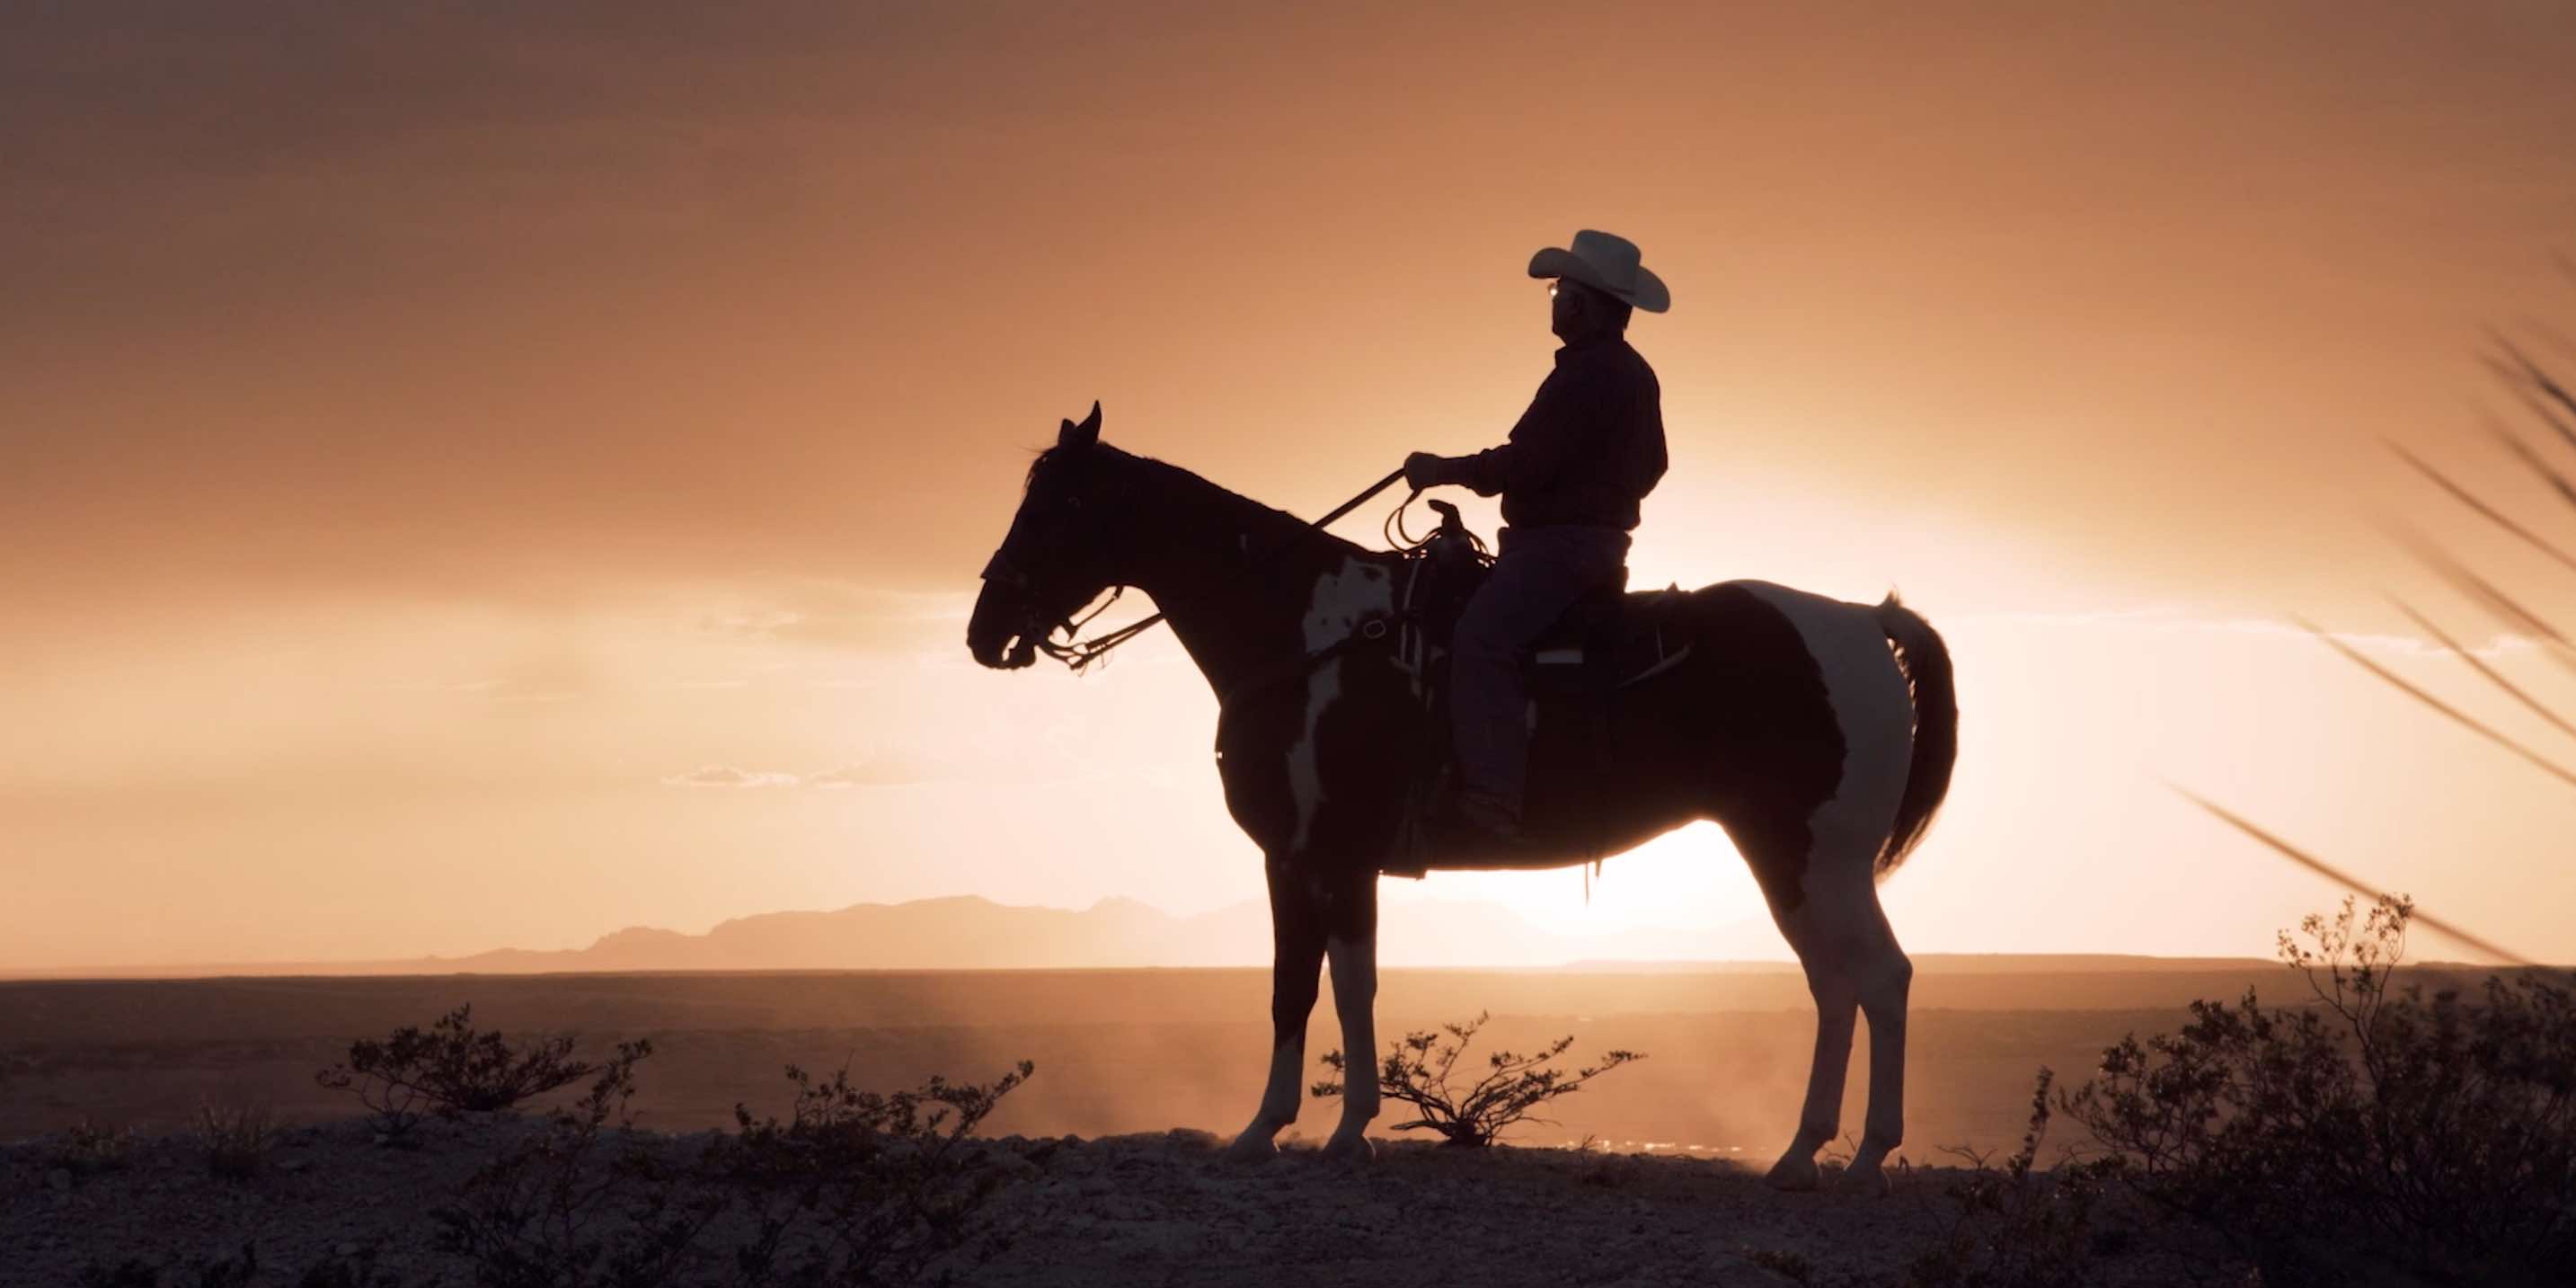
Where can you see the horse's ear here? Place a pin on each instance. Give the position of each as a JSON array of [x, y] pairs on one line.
[[1084, 434]]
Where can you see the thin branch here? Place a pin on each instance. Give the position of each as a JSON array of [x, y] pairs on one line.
[[2530, 456], [2464, 718], [2548, 333], [2347, 880], [2542, 412], [2534, 705], [2471, 500], [2532, 373], [2469, 583]]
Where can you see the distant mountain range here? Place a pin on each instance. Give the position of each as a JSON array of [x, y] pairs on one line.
[[973, 933]]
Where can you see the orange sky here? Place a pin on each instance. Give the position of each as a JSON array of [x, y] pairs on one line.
[[433, 439]]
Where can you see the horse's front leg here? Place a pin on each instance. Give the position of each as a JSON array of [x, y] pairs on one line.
[[1350, 907], [1297, 957]]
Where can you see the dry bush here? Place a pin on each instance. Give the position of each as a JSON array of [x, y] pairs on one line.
[[236, 1139], [2019, 1225], [2380, 1132], [2376, 1129], [863, 1187], [212, 1272], [855, 1187], [238, 1271], [1420, 1070], [450, 1069], [577, 1205], [89, 1147], [356, 1269]]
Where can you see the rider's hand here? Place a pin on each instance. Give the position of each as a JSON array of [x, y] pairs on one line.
[[1424, 470]]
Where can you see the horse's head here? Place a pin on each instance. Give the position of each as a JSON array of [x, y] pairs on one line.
[[1055, 558]]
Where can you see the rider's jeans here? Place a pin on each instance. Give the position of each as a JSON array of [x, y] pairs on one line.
[[1541, 572]]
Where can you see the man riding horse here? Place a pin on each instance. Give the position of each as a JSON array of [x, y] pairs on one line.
[[1588, 450], [1819, 733]]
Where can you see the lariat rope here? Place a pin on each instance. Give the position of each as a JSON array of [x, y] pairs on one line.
[[1078, 655]]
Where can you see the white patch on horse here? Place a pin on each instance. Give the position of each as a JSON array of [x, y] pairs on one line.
[[1873, 709], [1339, 601]]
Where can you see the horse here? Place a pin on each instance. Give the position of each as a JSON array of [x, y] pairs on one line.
[[1818, 733]]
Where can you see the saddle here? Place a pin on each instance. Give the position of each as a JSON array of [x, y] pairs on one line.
[[1606, 642]]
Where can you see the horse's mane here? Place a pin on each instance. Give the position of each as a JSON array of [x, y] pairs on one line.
[[1186, 489]]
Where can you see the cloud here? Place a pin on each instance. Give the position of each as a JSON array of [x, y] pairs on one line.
[[728, 776], [876, 771], [848, 617], [756, 624], [491, 689]]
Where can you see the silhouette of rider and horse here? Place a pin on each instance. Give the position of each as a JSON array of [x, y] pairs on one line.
[[1435, 706]]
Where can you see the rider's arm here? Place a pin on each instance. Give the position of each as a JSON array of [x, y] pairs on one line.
[[1548, 435]]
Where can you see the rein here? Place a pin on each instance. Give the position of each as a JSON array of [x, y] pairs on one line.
[[1369, 630], [1078, 655]]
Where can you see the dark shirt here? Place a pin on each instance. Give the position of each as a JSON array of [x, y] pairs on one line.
[[1590, 447]]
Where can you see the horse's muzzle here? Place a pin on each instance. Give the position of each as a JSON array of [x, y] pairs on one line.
[[1003, 650], [1001, 638]]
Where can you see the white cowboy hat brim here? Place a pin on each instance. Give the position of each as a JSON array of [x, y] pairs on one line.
[[1649, 293]]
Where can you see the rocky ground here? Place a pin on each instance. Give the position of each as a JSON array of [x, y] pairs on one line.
[[1163, 1209]]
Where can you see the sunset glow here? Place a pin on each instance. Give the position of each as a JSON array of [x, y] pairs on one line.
[[495, 479]]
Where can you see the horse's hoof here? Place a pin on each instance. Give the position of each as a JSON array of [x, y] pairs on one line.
[[1354, 1149], [1249, 1148], [1792, 1175], [1866, 1182]]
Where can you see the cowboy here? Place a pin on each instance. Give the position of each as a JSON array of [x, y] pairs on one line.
[[1588, 450]]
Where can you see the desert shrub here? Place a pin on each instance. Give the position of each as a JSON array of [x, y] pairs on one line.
[[90, 1146], [349, 1270], [862, 1187], [1421, 1070], [571, 1207], [2377, 1129], [237, 1271], [212, 1272], [236, 1139], [133, 1272], [453, 1068], [2018, 1225], [855, 1187]]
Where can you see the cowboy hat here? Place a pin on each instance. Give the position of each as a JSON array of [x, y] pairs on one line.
[[1608, 264]]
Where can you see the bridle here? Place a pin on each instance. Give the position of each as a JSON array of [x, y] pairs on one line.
[[1079, 654], [1036, 633]]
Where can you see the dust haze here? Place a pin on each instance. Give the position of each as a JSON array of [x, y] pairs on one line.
[[1116, 1051]]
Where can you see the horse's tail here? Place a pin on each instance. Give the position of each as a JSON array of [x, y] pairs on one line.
[[1926, 663]]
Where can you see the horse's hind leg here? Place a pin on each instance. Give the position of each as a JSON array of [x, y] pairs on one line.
[[1887, 977], [1815, 854], [1853, 964], [1820, 1119], [1882, 977]]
